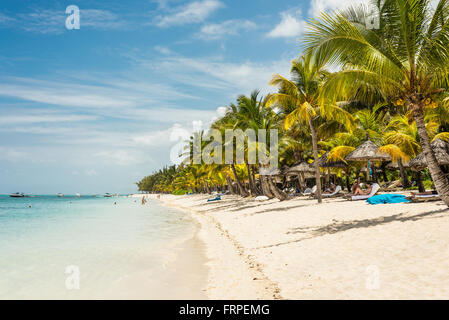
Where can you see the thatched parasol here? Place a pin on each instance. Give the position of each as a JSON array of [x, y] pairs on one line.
[[302, 170], [395, 165], [367, 151], [324, 162], [441, 150], [301, 167]]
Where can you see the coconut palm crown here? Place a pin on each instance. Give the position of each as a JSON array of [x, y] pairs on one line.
[[404, 60]]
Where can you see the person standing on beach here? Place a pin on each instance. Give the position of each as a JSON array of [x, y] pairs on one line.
[[143, 200]]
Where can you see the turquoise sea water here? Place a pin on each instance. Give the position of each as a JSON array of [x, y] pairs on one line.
[[123, 250]]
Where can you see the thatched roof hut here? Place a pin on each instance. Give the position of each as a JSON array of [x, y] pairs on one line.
[[395, 165], [324, 162], [301, 167], [441, 150], [367, 151]]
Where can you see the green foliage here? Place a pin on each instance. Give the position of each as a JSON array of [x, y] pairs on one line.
[[181, 192], [428, 184], [385, 77]]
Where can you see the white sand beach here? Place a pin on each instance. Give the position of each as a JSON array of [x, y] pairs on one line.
[[340, 249]]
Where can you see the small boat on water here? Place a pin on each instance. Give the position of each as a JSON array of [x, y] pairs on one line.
[[60, 195], [107, 195], [78, 195], [17, 195]]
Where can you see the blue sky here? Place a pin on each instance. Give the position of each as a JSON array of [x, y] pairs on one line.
[[93, 110]]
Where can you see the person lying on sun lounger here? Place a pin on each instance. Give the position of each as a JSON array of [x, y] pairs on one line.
[[334, 193], [357, 190], [360, 192], [355, 186], [426, 193], [424, 196], [365, 194], [330, 189]]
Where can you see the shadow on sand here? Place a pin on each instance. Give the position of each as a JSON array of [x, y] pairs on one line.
[[313, 232]]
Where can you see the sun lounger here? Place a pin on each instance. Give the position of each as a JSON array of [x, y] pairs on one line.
[[374, 190], [309, 191], [333, 194], [424, 198]]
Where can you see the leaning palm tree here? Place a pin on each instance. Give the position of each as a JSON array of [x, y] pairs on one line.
[[309, 73], [405, 60]]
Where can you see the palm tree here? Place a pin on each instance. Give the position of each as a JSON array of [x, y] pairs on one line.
[[405, 61], [254, 114], [309, 73]]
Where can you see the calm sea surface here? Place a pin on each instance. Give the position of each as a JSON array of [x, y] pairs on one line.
[[123, 250]]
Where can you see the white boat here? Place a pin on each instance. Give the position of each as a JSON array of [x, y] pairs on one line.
[[78, 195], [60, 195], [17, 195], [107, 195]]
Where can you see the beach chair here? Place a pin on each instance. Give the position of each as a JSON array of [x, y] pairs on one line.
[[374, 190], [309, 191], [333, 194], [424, 198]]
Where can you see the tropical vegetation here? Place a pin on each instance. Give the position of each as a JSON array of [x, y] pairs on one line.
[[352, 82]]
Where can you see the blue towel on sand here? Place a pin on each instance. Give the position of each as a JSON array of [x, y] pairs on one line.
[[387, 198]]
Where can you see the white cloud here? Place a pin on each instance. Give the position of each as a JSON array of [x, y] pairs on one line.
[[221, 111], [91, 172], [100, 19], [121, 94], [289, 27], [4, 18], [53, 21], [161, 4], [194, 12], [163, 50], [157, 138], [28, 119], [13, 154], [215, 31], [216, 74], [317, 6], [120, 157]]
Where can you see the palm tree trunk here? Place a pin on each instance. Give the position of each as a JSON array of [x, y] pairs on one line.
[[277, 193], [348, 183], [265, 188], [297, 155], [242, 190], [208, 190], [230, 186], [315, 156], [258, 188], [252, 186], [301, 182], [438, 177], [403, 174], [384, 173], [419, 182]]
